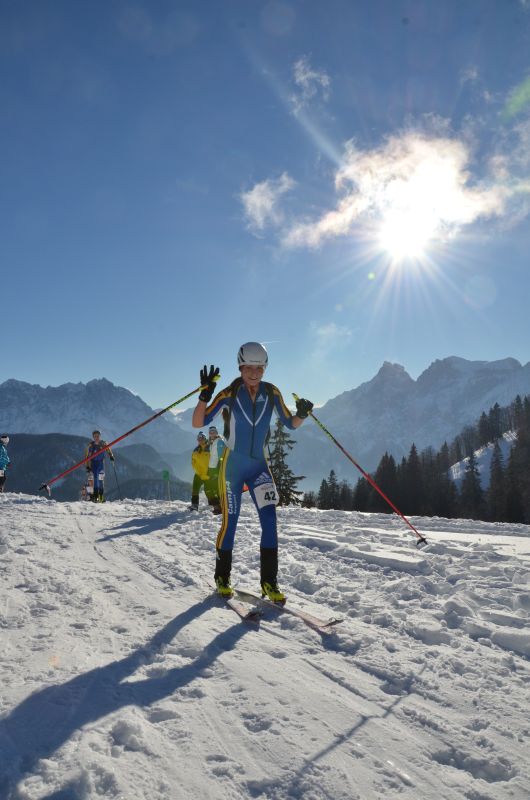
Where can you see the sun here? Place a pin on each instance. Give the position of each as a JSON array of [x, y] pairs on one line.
[[405, 235], [413, 210]]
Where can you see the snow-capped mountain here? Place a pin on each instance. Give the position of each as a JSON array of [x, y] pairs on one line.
[[387, 413], [79, 408], [391, 411]]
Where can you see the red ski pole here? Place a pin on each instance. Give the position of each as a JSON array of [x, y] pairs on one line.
[[123, 436], [420, 539]]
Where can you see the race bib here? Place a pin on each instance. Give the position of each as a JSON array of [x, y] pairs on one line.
[[2, 473], [266, 495]]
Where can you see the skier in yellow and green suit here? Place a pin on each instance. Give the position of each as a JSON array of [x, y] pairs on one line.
[[200, 460]]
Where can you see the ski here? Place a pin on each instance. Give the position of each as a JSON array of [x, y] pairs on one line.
[[320, 625], [243, 611]]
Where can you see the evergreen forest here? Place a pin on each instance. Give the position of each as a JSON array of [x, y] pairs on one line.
[[420, 484]]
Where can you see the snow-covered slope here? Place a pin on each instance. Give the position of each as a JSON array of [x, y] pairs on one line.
[[123, 677], [483, 458]]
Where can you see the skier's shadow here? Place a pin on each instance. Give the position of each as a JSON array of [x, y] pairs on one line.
[[46, 719], [141, 526]]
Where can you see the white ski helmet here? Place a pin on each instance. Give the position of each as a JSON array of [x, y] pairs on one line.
[[252, 354]]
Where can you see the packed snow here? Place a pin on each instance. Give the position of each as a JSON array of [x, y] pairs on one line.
[[123, 676]]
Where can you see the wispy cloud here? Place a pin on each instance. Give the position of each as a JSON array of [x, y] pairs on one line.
[[412, 178], [261, 203], [310, 83], [468, 75], [328, 338]]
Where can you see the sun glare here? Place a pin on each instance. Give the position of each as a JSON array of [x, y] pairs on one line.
[[414, 209], [403, 236]]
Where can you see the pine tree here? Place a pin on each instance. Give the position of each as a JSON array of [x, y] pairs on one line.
[[485, 433], [334, 491], [386, 479], [412, 484], [456, 451], [361, 495], [323, 500], [471, 495], [309, 500], [444, 498], [284, 478], [495, 421], [345, 496], [497, 490], [514, 501], [443, 458], [470, 439], [520, 465], [517, 407]]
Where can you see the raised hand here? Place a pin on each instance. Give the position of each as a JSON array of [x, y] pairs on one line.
[[303, 407], [208, 380]]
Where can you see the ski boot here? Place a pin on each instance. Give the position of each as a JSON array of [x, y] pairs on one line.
[[224, 588], [273, 592], [223, 567], [193, 507], [215, 505], [268, 573]]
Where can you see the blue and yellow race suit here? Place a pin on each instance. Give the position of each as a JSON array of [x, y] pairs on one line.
[[244, 458], [4, 463], [97, 464]]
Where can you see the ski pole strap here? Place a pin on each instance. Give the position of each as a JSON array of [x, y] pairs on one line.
[[420, 539]]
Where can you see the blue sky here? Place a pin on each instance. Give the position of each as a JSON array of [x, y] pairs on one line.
[[346, 182]]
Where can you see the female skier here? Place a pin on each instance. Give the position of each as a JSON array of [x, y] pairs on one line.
[[247, 406]]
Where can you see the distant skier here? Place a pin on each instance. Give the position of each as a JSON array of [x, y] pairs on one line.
[[5, 461], [96, 465], [247, 406], [200, 458], [217, 448]]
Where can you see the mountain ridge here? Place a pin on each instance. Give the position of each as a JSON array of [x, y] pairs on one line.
[[385, 414], [392, 411], [78, 408]]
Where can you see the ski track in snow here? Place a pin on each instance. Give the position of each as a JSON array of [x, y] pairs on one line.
[[123, 677]]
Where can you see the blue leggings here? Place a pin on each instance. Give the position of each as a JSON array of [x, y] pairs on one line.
[[97, 469], [236, 470]]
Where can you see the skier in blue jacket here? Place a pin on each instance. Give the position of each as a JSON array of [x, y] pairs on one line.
[[5, 461], [247, 406], [97, 465]]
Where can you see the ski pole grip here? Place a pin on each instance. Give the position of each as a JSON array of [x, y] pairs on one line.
[[296, 398], [205, 386]]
